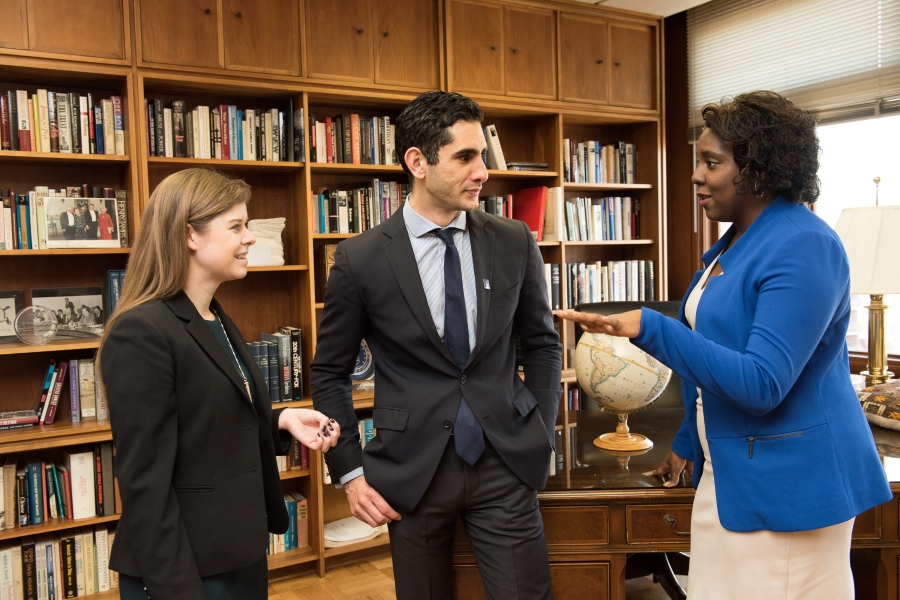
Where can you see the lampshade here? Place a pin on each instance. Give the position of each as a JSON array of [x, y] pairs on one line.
[[871, 237]]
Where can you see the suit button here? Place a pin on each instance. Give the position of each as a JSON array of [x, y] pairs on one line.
[[462, 380], [447, 424]]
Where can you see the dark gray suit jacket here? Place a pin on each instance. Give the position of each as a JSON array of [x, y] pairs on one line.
[[374, 291]]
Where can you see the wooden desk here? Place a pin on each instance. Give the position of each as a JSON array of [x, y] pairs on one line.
[[598, 512]]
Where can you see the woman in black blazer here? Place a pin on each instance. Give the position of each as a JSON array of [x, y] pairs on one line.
[[195, 433]]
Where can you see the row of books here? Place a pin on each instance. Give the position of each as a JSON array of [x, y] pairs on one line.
[[602, 219], [355, 211], [352, 139], [502, 206], [82, 485], [223, 132], [593, 162], [57, 566], [493, 154], [297, 457], [557, 457], [279, 356], [573, 400], [610, 281], [86, 400], [297, 535], [115, 279], [69, 123], [367, 431], [75, 217]]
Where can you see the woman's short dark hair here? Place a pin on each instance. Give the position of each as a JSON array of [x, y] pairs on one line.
[[775, 144], [423, 124]]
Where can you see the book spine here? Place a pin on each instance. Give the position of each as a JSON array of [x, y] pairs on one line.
[[102, 540], [74, 123], [35, 497], [167, 133], [98, 481], [74, 391], [68, 576], [92, 125], [122, 217], [50, 413], [99, 138], [106, 459], [23, 122], [84, 125], [118, 125], [180, 147]]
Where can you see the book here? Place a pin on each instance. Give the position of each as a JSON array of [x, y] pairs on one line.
[[29, 569], [530, 207], [282, 343], [99, 490], [74, 391], [90, 560], [86, 390], [53, 401], [23, 123], [10, 498], [495, 158], [80, 466], [101, 539], [296, 358], [106, 456]]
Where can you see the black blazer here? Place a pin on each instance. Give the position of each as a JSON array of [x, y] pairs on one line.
[[374, 291], [195, 459]]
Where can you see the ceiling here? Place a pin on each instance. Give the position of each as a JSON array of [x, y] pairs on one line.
[[655, 7]]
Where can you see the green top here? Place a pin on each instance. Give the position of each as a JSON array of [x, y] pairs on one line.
[[218, 330]]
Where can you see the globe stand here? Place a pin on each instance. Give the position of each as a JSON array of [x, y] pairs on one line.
[[623, 440]]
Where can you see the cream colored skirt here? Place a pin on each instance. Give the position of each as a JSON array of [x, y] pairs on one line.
[[763, 565]]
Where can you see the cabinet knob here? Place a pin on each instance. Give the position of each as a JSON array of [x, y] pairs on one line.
[[360, 30], [600, 62], [618, 64], [238, 15], [207, 11], [493, 47], [672, 522], [515, 49], [387, 33]]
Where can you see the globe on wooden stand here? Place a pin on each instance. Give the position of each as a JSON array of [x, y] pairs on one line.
[[622, 379]]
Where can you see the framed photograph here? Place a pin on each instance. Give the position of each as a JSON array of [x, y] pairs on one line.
[[80, 222], [10, 305], [79, 311]]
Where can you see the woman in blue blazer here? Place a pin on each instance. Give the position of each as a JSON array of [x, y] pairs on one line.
[[760, 347]]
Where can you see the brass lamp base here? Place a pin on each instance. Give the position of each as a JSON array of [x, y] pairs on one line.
[[623, 440], [877, 372]]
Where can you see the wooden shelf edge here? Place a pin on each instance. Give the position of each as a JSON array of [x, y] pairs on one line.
[[572, 186], [241, 164], [54, 525], [264, 269], [56, 157], [509, 174], [293, 474], [354, 168], [65, 251], [333, 236], [53, 346], [292, 557], [611, 243], [382, 540]]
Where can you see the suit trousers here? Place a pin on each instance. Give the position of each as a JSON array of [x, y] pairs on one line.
[[249, 583], [501, 517]]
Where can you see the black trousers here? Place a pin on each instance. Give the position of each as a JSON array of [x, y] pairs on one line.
[[249, 583], [504, 525]]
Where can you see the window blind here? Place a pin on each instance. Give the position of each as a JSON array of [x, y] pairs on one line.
[[839, 59]]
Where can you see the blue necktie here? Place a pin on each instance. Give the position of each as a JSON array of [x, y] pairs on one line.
[[467, 432]]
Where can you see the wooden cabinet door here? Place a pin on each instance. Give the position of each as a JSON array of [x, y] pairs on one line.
[[584, 54], [530, 52], [14, 33], [262, 35], [476, 47], [79, 27], [339, 39], [180, 32], [633, 78], [406, 42]]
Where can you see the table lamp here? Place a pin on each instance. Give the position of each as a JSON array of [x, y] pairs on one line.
[[871, 237]]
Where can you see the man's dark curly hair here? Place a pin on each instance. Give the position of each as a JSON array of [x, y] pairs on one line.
[[775, 144], [424, 123]]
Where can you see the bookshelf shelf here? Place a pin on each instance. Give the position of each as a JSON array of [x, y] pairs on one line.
[[277, 268], [53, 346], [65, 251], [60, 434], [293, 474], [333, 236], [612, 243], [262, 165], [51, 525], [507, 174], [319, 305], [599, 187], [376, 542], [45, 158], [292, 557], [353, 169]]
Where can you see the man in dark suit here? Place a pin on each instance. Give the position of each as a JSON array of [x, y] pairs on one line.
[[67, 222], [439, 291], [90, 218]]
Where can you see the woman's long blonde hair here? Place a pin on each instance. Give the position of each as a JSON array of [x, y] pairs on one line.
[[158, 266]]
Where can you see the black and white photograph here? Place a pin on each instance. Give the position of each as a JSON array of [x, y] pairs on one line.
[[79, 311], [10, 305], [80, 222]]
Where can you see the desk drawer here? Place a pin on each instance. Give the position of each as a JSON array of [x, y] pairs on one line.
[[575, 526], [570, 581], [652, 524], [868, 525]]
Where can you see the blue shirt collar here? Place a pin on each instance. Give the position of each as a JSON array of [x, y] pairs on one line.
[[417, 225]]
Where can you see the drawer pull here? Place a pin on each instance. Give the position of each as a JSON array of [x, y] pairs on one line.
[[672, 522]]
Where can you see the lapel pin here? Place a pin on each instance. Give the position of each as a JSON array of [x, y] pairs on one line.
[[487, 284]]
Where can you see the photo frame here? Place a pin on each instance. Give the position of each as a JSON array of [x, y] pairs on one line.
[[79, 311], [11, 303], [81, 222]]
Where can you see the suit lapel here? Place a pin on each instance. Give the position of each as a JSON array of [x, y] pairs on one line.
[[402, 259], [198, 329], [482, 241], [240, 346]]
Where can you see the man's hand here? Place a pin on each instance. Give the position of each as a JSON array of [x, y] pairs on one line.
[[367, 505], [627, 324], [675, 466]]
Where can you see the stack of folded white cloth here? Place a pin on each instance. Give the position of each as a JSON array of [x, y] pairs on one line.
[[268, 251]]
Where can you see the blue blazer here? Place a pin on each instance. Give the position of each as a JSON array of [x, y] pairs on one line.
[[790, 444]]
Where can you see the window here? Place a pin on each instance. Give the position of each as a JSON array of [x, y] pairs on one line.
[[853, 154]]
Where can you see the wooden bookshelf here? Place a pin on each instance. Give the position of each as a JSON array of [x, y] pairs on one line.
[[559, 96], [293, 473], [51, 525]]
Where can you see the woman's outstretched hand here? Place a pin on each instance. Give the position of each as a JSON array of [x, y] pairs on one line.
[[673, 467], [310, 427], [627, 324]]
